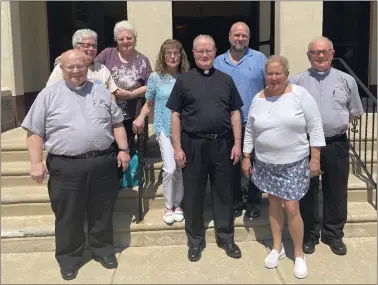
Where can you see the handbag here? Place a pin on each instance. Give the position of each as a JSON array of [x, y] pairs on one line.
[[129, 178]]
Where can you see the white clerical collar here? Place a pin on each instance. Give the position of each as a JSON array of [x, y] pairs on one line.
[[206, 71], [77, 88], [320, 73]]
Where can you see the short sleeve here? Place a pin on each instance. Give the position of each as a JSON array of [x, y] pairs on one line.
[[175, 102], [116, 113], [148, 71], [55, 75], [110, 84], [151, 87], [236, 101], [355, 106], [35, 120]]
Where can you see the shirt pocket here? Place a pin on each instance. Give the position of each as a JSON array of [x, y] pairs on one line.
[[100, 114], [340, 99]]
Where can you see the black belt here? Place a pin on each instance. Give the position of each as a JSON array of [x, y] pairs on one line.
[[89, 154], [337, 138], [208, 136]]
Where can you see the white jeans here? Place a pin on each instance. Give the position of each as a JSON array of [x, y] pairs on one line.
[[173, 188]]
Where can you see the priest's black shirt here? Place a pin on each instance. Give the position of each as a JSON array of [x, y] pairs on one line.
[[205, 99]]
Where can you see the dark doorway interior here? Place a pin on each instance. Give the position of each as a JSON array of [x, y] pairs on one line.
[[64, 18], [347, 25], [213, 18]]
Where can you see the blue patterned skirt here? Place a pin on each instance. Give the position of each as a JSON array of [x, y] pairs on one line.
[[286, 181]]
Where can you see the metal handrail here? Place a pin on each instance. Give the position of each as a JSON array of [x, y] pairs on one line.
[[357, 128]]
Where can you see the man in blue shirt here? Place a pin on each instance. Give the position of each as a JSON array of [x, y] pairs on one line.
[[247, 68]]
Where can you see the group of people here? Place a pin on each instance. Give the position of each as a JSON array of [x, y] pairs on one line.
[[235, 119]]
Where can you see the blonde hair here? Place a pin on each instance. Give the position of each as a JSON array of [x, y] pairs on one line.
[[161, 66], [279, 59], [124, 26]]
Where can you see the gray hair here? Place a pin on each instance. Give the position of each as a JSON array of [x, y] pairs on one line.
[[318, 39], [207, 37], [79, 35], [278, 59], [124, 26]]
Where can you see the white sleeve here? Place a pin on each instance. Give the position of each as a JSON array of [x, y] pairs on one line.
[[55, 76], [249, 135], [314, 125]]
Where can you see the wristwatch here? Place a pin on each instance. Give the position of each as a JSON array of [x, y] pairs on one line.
[[125, 150]]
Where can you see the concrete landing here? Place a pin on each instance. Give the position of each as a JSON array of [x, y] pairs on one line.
[[169, 265]]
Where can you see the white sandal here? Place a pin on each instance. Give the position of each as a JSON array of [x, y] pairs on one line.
[[178, 215], [168, 217]]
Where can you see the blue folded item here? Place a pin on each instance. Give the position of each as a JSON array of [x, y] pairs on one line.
[[129, 178]]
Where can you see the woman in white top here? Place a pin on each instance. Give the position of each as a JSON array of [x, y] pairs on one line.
[[280, 119]]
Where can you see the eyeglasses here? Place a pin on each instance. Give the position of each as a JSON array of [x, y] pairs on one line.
[[72, 67], [170, 53], [87, 45], [318, 52], [201, 52]]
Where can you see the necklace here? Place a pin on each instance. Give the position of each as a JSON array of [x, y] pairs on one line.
[[275, 103]]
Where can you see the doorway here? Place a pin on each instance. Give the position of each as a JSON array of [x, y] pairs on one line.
[[347, 25], [215, 19], [65, 18]]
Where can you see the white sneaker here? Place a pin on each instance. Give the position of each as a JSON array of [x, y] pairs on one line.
[[169, 217], [271, 261], [300, 267], [178, 214]]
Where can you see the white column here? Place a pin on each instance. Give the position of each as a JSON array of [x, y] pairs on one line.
[[153, 21], [296, 24], [11, 54]]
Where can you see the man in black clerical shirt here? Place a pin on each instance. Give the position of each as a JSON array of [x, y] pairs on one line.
[[206, 133]]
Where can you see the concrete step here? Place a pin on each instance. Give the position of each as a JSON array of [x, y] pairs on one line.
[[34, 200], [36, 233], [23, 156]]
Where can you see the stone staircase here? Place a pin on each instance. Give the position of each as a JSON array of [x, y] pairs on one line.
[[27, 221]]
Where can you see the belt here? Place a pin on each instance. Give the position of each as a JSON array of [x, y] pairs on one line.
[[337, 138], [208, 136], [89, 154]]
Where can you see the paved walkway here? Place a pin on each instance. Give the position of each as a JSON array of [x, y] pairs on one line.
[[168, 264]]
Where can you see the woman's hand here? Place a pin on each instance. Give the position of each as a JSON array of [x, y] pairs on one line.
[[315, 167], [138, 125]]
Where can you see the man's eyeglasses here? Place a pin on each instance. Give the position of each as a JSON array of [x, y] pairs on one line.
[[201, 52], [318, 52], [72, 67], [87, 45]]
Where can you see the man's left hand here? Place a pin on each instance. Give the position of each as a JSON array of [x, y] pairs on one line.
[[235, 153], [123, 160]]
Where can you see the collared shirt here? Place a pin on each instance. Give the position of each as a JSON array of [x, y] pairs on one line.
[[73, 120], [205, 100], [248, 75], [159, 87], [336, 94], [97, 73]]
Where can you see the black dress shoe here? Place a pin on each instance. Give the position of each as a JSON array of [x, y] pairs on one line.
[[308, 246], [232, 250], [68, 273], [194, 252], [336, 244], [238, 206], [109, 262], [252, 211]]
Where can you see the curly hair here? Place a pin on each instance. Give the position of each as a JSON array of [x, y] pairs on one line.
[[161, 66]]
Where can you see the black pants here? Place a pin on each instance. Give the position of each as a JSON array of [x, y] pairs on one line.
[[244, 184], [128, 124], [208, 158], [334, 161], [78, 187]]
